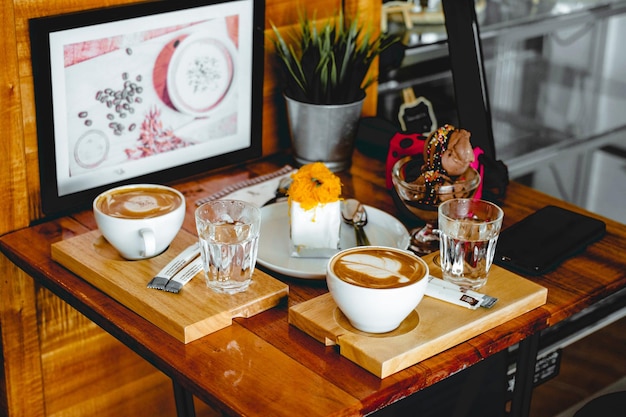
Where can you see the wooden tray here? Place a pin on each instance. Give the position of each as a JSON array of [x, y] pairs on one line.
[[192, 313], [433, 327]]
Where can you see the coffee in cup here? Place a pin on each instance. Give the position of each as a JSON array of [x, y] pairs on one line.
[[139, 202], [141, 220], [376, 287], [378, 267]]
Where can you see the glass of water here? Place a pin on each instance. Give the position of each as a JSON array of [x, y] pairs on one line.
[[468, 233], [228, 231]]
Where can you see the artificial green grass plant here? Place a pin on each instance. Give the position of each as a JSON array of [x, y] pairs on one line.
[[328, 63]]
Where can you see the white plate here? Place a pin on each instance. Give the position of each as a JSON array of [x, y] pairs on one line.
[[382, 229]]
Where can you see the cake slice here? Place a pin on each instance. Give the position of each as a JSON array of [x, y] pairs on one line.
[[314, 212]]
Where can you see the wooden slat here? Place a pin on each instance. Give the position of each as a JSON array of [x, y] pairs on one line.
[[20, 348], [14, 203]]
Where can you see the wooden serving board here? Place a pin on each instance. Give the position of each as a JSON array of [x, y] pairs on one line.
[[192, 313], [432, 327]]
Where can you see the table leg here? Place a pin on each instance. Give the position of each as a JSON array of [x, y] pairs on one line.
[[184, 401], [524, 376]]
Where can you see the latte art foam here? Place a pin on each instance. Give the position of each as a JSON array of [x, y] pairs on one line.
[[139, 203], [378, 268]]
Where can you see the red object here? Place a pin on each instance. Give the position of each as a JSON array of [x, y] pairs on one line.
[[401, 145]]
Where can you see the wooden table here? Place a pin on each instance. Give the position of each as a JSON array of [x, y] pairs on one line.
[[263, 366]]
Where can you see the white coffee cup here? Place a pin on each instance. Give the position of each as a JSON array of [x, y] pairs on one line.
[[139, 220], [376, 287]]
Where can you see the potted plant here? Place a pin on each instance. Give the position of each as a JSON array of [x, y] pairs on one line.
[[325, 67]]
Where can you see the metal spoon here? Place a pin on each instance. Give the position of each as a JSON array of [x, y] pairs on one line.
[[281, 191], [353, 213]]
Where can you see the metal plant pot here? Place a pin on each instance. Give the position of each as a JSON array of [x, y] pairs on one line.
[[323, 132]]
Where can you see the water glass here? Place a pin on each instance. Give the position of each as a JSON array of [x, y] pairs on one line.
[[228, 231], [469, 231]]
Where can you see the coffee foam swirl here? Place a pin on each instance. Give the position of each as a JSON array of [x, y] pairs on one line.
[[378, 268], [139, 203]]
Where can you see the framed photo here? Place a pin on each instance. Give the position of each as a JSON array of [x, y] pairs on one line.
[[147, 92]]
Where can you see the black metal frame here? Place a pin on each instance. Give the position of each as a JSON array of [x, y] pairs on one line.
[[468, 73]]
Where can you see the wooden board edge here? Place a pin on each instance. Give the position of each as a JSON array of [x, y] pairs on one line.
[[364, 360], [205, 327], [297, 318], [263, 303]]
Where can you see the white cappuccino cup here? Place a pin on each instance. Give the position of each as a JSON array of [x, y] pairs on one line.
[[139, 220], [376, 287]]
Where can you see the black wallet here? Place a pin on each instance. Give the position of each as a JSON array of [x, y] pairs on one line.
[[540, 242]]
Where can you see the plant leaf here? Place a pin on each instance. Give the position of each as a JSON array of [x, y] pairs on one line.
[[327, 62]]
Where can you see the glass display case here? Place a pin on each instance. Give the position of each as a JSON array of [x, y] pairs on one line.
[[555, 77]]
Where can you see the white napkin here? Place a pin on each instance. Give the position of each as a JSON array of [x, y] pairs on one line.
[[258, 190]]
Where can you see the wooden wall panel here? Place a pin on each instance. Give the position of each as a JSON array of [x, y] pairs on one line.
[[21, 356], [54, 361], [14, 201]]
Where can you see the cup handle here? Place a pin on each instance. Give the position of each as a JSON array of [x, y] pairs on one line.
[[149, 242]]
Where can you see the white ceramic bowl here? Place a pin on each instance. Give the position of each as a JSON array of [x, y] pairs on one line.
[[373, 304]]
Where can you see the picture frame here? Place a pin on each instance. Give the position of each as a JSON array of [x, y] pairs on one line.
[[148, 92]]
